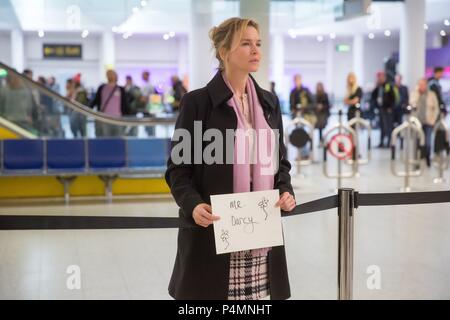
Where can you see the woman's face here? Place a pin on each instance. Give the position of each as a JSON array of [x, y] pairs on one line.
[[247, 56]]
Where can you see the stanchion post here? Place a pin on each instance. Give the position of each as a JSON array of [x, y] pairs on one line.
[[339, 160], [345, 250]]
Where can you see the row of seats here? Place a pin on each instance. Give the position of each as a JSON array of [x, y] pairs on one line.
[[83, 155]]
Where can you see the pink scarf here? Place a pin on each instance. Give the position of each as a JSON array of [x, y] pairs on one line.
[[242, 170]]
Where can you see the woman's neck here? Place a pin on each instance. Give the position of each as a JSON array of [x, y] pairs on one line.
[[238, 81]]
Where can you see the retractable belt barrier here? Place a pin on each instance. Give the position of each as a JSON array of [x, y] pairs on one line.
[[53, 222], [347, 200]]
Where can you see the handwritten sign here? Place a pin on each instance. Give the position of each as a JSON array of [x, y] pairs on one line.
[[248, 220]]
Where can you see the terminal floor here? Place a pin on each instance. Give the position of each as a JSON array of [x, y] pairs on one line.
[[409, 245]]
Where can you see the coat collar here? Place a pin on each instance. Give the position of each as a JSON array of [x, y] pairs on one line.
[[220, 93]]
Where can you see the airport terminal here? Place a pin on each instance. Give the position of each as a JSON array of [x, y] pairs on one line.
[[118, 180]]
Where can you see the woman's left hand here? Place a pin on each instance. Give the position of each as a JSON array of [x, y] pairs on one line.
[[286, 202]]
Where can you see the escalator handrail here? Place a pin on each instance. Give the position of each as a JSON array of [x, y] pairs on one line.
[[78, 107]]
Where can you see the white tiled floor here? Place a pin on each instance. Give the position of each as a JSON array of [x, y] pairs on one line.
[[410, 245]]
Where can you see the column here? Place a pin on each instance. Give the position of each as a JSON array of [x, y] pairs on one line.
[[358, 58], [182, 56], [107, 53], [329, 85], [201, 58], [412, 42], [17, 50], [277, 62], [259, 10]]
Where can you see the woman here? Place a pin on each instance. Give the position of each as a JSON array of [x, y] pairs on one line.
[[322, 108], [354, 95], [231, 100]]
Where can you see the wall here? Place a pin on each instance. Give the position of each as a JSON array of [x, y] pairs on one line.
[[88, 66], [5, 48]]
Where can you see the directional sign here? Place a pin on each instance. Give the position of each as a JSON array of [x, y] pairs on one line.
[[341, 146]]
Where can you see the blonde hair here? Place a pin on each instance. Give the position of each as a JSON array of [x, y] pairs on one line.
[[224, 40], [351, 89]]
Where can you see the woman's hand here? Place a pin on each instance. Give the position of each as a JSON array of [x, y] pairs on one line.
[[287, 202], [203, 216]]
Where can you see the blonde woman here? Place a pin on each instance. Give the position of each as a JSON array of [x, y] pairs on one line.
[[231, 100], [354, 95]]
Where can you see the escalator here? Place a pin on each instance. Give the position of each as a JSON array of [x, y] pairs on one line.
[[30, 110]]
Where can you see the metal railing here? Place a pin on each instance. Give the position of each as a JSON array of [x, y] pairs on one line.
[[411, 155]]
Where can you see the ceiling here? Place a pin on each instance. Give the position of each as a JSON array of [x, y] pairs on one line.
[[299, 17]]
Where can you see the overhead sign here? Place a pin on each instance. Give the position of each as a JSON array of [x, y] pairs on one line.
[[62, 51], [341, 146]]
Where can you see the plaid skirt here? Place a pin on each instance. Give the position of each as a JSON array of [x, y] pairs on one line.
[[248, 276]]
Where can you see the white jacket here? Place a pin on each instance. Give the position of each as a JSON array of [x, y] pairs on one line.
[[431, 107]]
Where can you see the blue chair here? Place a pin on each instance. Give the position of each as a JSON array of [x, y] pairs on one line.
[[107, 153], [66, 155], [23, 155], [144, 153]]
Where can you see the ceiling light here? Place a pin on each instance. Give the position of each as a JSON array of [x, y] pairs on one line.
[[320, 38], [85, 33], [143, 3], [166, 36], [371, 36], [425, 26], [41, 33], [332, 36], [443, 33], [387, 33], [447, 22], [171, 34]]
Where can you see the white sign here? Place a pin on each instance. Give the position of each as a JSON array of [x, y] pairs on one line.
[[248, 220]]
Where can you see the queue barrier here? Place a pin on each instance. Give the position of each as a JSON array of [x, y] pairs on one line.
[[299, 132], [411, 131], [347, 201]]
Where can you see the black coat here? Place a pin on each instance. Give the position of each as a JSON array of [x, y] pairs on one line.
[[199, 273]]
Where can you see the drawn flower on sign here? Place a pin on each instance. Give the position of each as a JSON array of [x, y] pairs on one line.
[[263, 205], [225, 236]]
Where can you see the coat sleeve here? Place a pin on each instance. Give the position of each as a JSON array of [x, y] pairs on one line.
[[283, 177], [179, 176], [97, 99]]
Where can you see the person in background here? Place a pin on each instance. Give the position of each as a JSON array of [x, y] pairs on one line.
[[272, 88], [133, 94], [426, 105], [322, 108], [178, 92], [147, 90], [16, 102], [383, 98], [300, 98], [435, 86], [76, 92], [110, 99], [354, 95], [403, 100]]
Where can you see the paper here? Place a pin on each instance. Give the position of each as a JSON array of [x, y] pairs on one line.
[[248, 220]]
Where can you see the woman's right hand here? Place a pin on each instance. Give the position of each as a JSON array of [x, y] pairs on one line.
[[203, 216]]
